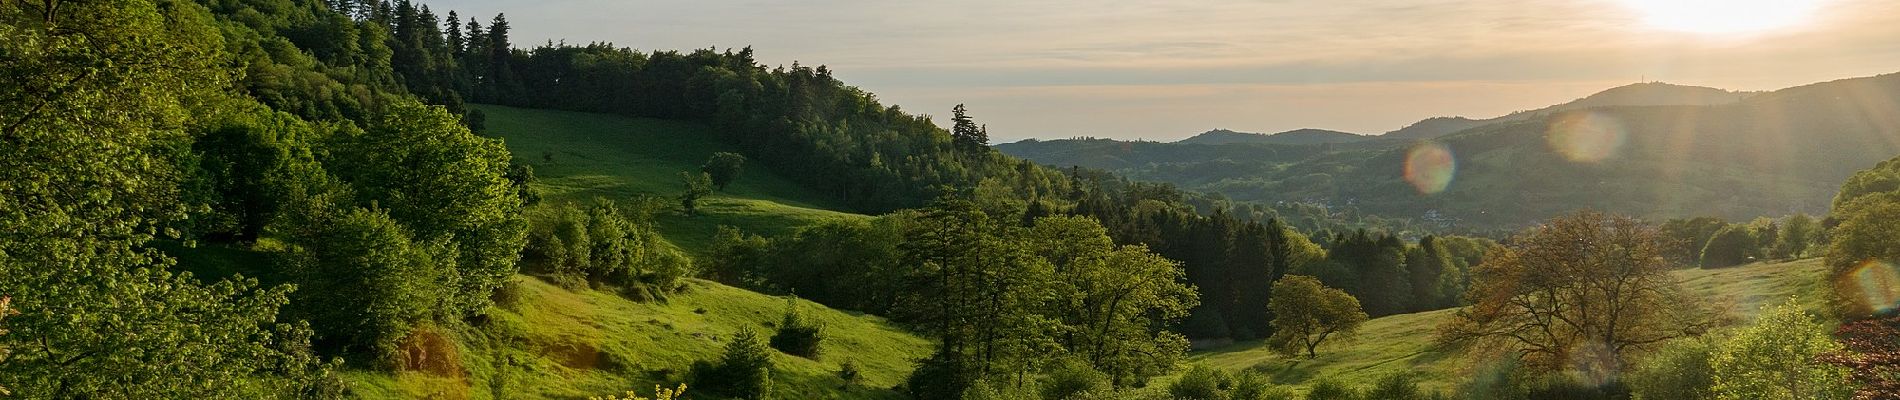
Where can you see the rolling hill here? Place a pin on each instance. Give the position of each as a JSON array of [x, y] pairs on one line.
[[1649, 150], [1632, 95], [1297, 136], [580, 156], [1403, 343], [543, 341]]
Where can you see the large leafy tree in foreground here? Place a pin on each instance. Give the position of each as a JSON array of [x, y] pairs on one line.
[[442, 183], [96, 99], [1586, 290]]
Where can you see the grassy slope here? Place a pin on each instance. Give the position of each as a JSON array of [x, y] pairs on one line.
[[555, 343], [599, 155], [1402, 343]]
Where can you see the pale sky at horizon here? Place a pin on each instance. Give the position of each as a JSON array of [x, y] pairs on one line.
[[1167, 69]]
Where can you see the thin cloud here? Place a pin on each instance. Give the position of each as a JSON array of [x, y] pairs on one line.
[[929, 55]]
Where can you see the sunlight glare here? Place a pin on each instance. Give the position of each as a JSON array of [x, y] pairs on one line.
[[1585, 137], [1879, 285], [1723, 16], [1429, 167]]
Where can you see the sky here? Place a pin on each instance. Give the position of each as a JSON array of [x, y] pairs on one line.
[[1168, 69]]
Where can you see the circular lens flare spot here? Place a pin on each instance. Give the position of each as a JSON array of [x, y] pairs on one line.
[[1429, 167], [1585, 137], [1879, 285]]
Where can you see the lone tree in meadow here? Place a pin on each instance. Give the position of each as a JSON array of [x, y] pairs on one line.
[[1306, 313], [1582, 287], [698, 186], [723, 167], [1732, 246]]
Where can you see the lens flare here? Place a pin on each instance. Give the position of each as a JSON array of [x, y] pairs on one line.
[[1879, 285], [1429, 167], [1585, 137]]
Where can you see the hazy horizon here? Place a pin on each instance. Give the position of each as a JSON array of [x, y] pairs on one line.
[[1133, 70]]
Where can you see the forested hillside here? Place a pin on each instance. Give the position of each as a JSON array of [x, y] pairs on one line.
[[318, 199], [1732, 155]]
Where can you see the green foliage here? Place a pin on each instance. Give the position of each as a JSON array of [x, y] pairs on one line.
[[697, 186], [985, 389], [1775, 358], [1680, 370], [1689, 236], [1798, 235], [1400, 386], [1074, 379], [737, 258], [602, 245], [1372, 267], [1328, 389], [1731, 246], [1863, 241], [93, 118], [744, 371], [1306, 313], [442, 183], [796, 335], [723, 168], [965, 133], [366, 283], [1200, 383]]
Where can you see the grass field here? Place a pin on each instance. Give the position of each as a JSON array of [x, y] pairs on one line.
[[1403, 343], [554, 343], [581, 156]]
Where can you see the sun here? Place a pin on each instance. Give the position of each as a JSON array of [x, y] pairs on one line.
[[1724, 16]]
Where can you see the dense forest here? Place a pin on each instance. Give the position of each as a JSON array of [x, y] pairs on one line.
[[336, 140]]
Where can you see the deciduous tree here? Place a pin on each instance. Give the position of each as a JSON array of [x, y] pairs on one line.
[[1586, 290], [1306, 313]]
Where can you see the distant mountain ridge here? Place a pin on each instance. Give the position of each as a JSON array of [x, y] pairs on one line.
[[1632, 95], [1674, 151], [1297, 136]]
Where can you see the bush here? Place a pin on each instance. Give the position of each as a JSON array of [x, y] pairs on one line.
[[940, 377], [1250, 386], [1733, 245], [1074, 379], [848, 371], [1201, 383], [1328, 389], [797, 336], [1398, 386], [744, 372], [1774, 358], [1680, 370]]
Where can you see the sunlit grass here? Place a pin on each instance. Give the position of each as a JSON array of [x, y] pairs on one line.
[[1403, 343], [581, 156], [556, 343]]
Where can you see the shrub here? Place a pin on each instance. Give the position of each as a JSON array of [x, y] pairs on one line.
[[848, 371], [1328, 389], [1201, 383], [1680, 370], [941, 376], [1073, 379], [1251, 386], [1734, 245], [1774, 358], [1398, 386], [797, 336]]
